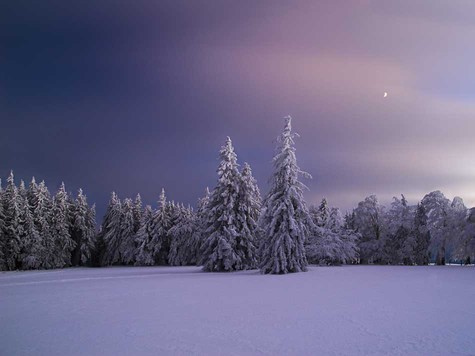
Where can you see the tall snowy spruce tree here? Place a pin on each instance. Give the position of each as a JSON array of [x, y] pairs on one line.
[[226, 246], [110, 232], [83, 228], [42, 211], [155, 238], [249, 211], [64, 244], [197, 237], [143, 237], [2, 232], [181, 234], [285, 220], [30, 240], [138, 212], [127, 230], [12, 244]]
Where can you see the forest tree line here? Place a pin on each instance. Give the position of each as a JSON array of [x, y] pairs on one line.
[[232, 228]]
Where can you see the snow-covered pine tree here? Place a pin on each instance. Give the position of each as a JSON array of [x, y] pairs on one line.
[[249, 210], [2, 232], [31, 252], [64, 244], [127, 238], [174, 214], [32, 192], [89, 243], [111, 231], [143, 238], [221, 226], [323, 213], [181, 233], [151, 251], [196, 240], [82, 234], [42, 208], [138, 212], [11, 203], [285, 221]]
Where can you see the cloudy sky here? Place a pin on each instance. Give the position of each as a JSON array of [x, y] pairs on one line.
[[134, 96]]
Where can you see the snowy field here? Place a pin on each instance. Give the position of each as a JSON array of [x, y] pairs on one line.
[[353, 310]]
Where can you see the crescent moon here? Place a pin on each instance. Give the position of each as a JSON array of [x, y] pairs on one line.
[[385, 95]]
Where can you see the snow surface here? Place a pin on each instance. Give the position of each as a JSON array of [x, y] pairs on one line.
[[352, 310]]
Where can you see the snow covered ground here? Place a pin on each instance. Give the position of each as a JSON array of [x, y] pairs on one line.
[[351, 310]]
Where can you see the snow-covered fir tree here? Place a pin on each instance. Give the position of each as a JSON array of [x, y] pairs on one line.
[[285, 221], [83, 233], [12, 246], [31, 252], [2, 232], [138, 211], [42, 211], [151, 246], [89, 244], [127, 232], [197, 237], [321, 214], [110, 231], [226, 246], [249, 210], [60, 230], [181, 234], [144, 234]]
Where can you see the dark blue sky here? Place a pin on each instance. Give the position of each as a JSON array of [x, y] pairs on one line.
[[134, 96]]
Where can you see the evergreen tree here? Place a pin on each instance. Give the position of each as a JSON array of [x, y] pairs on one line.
[[138, 212], [127, 231], [323, 214], [174, 214], [82, 234], [3, 242], [197, 238], [12, 226], [143, 237], [64, 244], [111, 231], [181, 233], [219, 251], [41, 208], [153, 247], [285, 220], [32, 193], [89, 242], [249, 209], [31, 253]]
